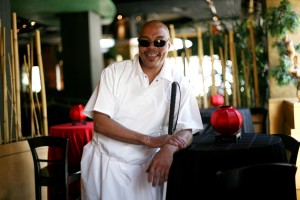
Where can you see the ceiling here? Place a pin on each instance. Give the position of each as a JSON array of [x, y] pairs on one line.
[[45, 12], [183, 14], [177, 12], [166, 10]]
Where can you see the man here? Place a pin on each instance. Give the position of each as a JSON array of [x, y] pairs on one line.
[[131, 152]]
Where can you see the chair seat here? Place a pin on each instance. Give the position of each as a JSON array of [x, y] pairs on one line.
[[54, 175]]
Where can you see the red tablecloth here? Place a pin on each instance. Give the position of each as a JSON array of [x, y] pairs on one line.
[[79, 135]]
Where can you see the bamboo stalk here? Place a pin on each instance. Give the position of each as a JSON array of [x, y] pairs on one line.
[[233, 69], [172, 35], [29, 63], [200, 56], [35, 97], [223, 63], [43, 90], [226, 58], [1, 49], [246, 77], [34, 120], [211, 50], [28, 67], [4, 86], [186, 50], [17, 70], [187, 56], [237, 78], [12, 111], [31, 53], [187, 35], [183, 61], [13, 85], [184, 57], [252, 39], [200, 48], [38, 106]]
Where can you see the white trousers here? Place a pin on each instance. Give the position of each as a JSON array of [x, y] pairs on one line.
[[105, 178]]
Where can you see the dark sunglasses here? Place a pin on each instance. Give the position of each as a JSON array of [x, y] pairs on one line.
[[157, 43]]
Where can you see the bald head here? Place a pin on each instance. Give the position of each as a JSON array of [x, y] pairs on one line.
[[155, 24]]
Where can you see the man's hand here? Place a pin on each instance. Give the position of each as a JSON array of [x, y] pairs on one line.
[[160, 165], [162, 161]]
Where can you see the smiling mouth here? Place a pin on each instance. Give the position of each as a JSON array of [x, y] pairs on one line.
[[152, 54]]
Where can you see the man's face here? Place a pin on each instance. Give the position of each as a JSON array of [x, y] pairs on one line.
[[152, 53]]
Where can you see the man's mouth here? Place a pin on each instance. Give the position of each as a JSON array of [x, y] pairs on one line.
[[152, 54]]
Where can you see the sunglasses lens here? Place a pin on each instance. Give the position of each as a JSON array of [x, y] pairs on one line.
[[159, 43], [144, 43], [156, 43]]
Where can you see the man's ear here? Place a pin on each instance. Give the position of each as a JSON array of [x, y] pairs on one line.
[[169, 44]]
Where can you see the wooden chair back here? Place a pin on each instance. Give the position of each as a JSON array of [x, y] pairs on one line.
[[291, 147], [55, 172], [260, 118]]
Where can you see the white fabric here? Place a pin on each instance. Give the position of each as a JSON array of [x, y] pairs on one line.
[[106, 178], [113, 170]]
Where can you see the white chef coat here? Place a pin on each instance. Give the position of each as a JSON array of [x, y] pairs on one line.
[[114, 170]]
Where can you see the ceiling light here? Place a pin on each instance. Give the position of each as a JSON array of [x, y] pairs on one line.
[[106, 44], [119, 17], [138, 18]]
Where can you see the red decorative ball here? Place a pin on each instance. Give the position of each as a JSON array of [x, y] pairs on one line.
[[226, 120], [217, 100], [76, 113]]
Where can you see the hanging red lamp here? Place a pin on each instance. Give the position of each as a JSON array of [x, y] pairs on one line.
[[217, 100], [226, 120]]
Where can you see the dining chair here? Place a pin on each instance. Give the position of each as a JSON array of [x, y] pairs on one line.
[[260, 119], [55, 174], [291, 147], [274, 181]]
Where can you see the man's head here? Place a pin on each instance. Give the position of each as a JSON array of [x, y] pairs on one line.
[[154, 44]]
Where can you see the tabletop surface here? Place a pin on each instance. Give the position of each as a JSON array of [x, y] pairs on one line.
[[207, 142], [71, 126]]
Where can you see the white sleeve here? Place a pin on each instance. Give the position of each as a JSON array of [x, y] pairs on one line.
[[89, 107], [103, 98]]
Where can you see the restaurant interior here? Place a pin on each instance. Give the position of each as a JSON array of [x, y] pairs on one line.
[[240, 56]]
